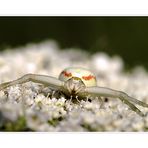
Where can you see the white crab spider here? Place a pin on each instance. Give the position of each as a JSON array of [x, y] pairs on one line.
[[78, 82]]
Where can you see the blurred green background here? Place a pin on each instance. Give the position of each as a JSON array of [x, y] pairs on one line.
[[124, 36]]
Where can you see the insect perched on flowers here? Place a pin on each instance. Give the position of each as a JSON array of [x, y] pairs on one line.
[[78, 82]]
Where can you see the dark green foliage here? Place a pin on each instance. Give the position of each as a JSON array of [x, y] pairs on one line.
[[19, 125]]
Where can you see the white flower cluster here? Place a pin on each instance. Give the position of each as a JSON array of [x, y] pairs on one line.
[[31, 107]]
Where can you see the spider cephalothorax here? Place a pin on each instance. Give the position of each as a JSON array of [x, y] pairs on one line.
[[73, 86], [78, 82], [86, 76]]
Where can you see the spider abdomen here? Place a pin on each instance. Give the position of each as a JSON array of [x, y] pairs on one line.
[[87, 77]]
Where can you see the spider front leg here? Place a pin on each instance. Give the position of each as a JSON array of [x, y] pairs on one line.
[[43, 79], [107, 92]]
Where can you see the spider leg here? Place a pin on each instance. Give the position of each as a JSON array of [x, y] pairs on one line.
[[132, 106], [107, 92], [101, 102], [136, 101], [43, 79]]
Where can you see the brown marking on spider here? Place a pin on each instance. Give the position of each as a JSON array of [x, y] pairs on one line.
[[88, 77], [66, 74]]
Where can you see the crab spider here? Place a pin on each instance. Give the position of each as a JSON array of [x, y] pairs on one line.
[[78, 82]]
